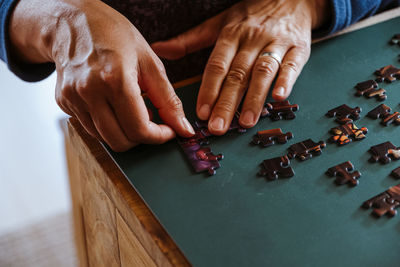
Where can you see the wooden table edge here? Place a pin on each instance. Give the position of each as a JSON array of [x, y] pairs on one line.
[[132, 199]]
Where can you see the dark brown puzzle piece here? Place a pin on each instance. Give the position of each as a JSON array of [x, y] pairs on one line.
[[344, 113], [344, 174], [395, 39], [269, 137], [276, 168], [385, 203], [383, 112], [370, 89], [306, 149], [384, 153], [281, 110], [388, 74], [396, 173]]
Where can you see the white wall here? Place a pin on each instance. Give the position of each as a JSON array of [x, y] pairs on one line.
[[33, 179]]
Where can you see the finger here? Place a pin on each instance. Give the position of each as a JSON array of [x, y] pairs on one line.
[[73, 102], [131, 113], [215, 71], [108, 127], [263, 74], [163, 96], [290, 69], [233, 89], [197, 38]]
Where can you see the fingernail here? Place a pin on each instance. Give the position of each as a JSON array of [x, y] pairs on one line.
[[248, 118], [187, 125], [217, 124], [280, 91], [204, 111]]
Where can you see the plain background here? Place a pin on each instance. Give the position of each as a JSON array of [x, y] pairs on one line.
[[33, 176]]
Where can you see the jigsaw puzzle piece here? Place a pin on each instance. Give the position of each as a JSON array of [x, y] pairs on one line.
[[395, 39], [396, 173], [344, 174], [281, 110], [344, 134], [276, 168], [201, 158], [202, 126], [385, 203], [383, 112], [306, 149], [269, 137], [388, 74], [370, 89], [384, 153], [344, 114]]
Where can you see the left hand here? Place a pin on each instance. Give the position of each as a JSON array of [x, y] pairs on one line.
[[235, 68]]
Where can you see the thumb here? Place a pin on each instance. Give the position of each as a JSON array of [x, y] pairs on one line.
[[197, 38]]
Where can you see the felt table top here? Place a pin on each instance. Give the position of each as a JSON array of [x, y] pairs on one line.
[[236, 218]]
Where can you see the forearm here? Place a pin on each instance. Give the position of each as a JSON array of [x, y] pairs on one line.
[[34, 25]]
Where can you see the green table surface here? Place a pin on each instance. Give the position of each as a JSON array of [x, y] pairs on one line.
[[236, 218]]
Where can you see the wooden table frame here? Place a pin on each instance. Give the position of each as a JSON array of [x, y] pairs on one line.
[[113, 225]]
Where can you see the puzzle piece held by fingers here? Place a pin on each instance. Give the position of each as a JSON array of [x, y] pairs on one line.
[[385, 203], [269, 137], [344, 134], [276, 168], [344, 174], [344, 114], [370, 89], [201, 158]]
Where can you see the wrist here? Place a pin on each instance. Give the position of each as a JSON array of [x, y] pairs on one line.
[[321, 13], [34, 27]]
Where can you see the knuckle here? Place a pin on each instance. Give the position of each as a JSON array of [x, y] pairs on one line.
[[266, 66], [237, 75], [224, 106], [217, 66], [110, 75], [229, 32], [174, 103], [291, 65]]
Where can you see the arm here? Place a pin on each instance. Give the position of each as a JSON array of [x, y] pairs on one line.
[[103, 65], [346, 12], [244, 36]]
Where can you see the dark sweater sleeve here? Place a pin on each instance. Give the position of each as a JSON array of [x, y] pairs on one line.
[[27, 72]]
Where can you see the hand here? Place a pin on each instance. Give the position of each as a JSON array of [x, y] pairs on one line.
[[103, 66], [235, 68]]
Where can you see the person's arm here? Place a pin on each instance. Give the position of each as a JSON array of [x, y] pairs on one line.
[[346, 12], [103, 66], [257, 42]]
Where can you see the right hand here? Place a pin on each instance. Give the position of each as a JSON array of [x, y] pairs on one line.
[[103, 66]]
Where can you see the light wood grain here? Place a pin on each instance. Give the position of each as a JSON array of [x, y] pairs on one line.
[[123, 196], [76, 198], [100, 222], [131, 250]]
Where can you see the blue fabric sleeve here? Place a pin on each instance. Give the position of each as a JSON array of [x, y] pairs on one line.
[[346, 12], [27, 72]]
